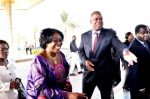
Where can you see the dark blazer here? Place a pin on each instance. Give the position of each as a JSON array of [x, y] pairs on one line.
[[141, 69], [102, 59], [73, 46], [116, 70]]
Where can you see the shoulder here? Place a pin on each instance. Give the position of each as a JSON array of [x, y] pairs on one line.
[[108, 32], [11, 64], [39, 59], [62, 54], [134, 43], [86, 33]]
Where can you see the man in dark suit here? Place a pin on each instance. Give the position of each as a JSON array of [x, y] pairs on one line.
[[95, 54], [139, 73]]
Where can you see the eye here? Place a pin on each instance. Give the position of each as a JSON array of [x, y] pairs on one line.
[[57, 40], [3, 49]]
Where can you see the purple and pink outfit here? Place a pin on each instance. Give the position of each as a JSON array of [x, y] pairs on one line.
[[47, 80]]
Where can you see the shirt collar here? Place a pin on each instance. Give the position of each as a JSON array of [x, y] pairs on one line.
[[140, 41], [93, 32]]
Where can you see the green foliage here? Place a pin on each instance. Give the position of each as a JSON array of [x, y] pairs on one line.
[[36, 51]]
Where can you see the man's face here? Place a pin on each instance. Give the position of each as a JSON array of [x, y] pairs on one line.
[[143, 34], [96, 21]]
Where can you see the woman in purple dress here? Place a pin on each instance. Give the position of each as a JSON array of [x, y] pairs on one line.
[[48, 75]]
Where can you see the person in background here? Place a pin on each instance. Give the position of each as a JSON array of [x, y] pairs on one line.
[[75, 61], [8, 85], [95, 54], [128, 39], [31, 47], [138, 75], [116, 70], [48, 76], [26, 47]]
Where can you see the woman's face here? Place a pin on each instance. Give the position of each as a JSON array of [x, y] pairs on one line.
[[3, 50], [55, 45], [130, 37]]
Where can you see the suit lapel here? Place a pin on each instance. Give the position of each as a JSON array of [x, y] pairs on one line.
[[139, 45], [101, 36], [89, 40]]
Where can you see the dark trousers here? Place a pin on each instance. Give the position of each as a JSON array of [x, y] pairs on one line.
[[104, 84]]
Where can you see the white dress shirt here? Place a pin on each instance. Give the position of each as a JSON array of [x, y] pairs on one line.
[[7, 74]]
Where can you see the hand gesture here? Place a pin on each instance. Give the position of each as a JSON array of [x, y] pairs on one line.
[[68, 86], [75, 95], [129, 57], [14, 85], [89, 65]]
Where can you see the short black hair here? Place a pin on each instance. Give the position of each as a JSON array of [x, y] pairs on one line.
[[127, 35], [46, 36], [95, 12], [4, 42], [137, 28]]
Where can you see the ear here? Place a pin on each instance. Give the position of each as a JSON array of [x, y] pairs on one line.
[[90, 21]]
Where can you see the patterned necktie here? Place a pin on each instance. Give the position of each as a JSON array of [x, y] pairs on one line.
[[95, 42]]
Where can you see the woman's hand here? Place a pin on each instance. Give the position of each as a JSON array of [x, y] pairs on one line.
[[68, 86], [14, 85], [76, 95]]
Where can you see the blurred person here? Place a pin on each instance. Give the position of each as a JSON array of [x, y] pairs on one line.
[[128, 39], [116, 70], [75, 61], [31, 47], [95, 54], [8, 85], [48, 76], [26, 47], [139, 81]]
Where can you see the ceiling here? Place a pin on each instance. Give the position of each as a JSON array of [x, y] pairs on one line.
[[20, 4]]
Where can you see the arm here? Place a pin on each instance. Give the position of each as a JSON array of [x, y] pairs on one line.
[[68, 86], [4, 86], [8, 85], [82, 51], [117, 44], [82, 54], [123, 49], [39, 81]]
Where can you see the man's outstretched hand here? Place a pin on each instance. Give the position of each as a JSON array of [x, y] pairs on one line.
[[129, 57]]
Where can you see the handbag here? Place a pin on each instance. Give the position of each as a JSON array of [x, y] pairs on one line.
[[21, 89]]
